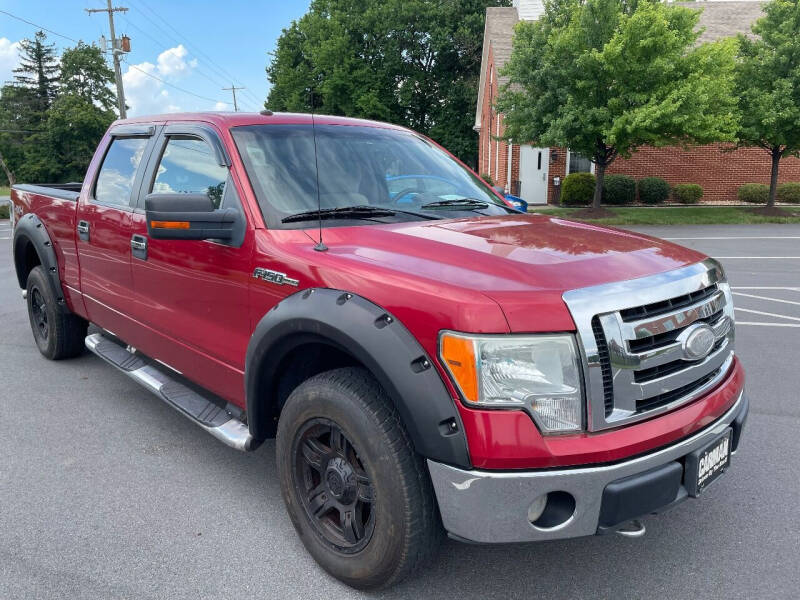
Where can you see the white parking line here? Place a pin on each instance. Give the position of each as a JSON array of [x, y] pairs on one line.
[[768, 324], [767, 237], [766, 314], [766, 298], [764, 287]]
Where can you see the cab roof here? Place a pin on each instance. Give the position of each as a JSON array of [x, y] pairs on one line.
[[225, 120]]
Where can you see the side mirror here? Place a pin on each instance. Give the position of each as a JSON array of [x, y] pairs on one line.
[[187, 217]]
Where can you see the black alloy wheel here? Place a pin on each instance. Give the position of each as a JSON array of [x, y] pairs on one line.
[[39, 314], [333, 486]]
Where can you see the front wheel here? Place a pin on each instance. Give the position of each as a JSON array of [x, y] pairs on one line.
[[357, 494]]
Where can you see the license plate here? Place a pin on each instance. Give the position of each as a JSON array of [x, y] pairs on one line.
[[706, 464]]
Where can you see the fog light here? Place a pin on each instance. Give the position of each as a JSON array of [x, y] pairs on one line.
[[536, 508]]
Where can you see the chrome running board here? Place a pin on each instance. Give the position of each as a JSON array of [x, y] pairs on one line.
[[215, 419]]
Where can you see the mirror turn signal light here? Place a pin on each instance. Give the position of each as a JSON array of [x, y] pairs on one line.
[[169, 224]]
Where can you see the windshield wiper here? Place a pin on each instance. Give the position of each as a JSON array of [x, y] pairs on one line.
[[341, 212], [466, 203], [353, 212]]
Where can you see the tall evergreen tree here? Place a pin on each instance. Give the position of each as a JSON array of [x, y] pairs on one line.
[[38, 70]]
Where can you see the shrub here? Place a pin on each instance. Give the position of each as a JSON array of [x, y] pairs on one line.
[[789, 192], [755, 193], [687, 193], [577, 189], [653, 190], [487, 178], [4, 211], [619, 189]]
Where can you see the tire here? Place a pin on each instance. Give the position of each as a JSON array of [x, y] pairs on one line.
[[57, 334], [394, 521]]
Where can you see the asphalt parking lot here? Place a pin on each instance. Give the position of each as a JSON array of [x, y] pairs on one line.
[[106, 492]]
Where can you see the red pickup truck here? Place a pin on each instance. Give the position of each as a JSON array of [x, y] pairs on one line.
[[429, 359]]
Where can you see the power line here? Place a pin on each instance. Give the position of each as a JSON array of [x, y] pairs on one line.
[[185, 91], [211, 62], [66, 37]]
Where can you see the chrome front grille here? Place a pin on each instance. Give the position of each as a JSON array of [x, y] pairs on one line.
[[633, 335]]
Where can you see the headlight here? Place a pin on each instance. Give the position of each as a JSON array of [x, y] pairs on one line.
[[536, 373]]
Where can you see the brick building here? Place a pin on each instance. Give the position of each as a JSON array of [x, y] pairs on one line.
[[530, 172]]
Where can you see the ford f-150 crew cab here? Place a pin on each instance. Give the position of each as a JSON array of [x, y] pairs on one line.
[[428, 358]]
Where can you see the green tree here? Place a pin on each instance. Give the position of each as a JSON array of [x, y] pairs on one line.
[[85, 73], [605, 77], [38, 71], [768, 85], [412, 62], [75, 126]]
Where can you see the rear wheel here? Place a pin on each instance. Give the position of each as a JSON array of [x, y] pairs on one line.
[[357, 494], [57, 334]]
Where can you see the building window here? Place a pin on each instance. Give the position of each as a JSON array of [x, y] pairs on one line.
[[577, 163]]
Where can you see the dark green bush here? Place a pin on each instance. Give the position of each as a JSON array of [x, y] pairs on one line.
[[653, 190], [755, 193], [619, 189], [487, 178], [789, 192], [577, 189], [687, 193], [4, 211]]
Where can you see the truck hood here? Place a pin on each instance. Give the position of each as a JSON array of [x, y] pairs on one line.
[[525, 263]]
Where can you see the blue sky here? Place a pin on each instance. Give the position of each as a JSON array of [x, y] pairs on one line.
[[198, 46]]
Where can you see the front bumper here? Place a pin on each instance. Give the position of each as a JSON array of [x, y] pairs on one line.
[[492, 507]]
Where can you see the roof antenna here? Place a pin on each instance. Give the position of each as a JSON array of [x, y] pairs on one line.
[[320, 247]]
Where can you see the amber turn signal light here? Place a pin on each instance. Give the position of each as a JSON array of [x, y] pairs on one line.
[[169, 224], [458, 354]]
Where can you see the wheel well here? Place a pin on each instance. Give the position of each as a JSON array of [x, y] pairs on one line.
[[25, 259], [297, 365]]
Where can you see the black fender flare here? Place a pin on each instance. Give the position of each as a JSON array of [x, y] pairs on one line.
[[31, 229], [377, 340]]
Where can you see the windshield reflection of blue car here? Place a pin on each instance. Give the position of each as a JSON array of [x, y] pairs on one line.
[[405, 194]]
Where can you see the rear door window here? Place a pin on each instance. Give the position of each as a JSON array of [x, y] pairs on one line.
[[118, 171]]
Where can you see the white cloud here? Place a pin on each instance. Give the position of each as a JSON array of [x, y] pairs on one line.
[[173, 63], [221, 106], [9, 58], [145, 94]]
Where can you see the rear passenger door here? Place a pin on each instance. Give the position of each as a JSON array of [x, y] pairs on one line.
[[193, 295], [103, 227]]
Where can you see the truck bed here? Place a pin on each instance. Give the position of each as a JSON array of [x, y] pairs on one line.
[[62, 191]]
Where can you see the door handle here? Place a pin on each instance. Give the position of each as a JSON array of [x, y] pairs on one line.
[[139, 246], [83, 230]]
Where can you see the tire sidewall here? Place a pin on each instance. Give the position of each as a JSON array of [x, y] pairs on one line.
[[376, 562], [37, 281]]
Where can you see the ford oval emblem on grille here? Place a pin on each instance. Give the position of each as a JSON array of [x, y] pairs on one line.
[[697, 341]]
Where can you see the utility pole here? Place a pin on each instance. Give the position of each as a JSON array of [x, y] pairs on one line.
[[233, 89], [116, 50]]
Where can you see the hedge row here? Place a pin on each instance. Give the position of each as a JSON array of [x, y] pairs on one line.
[[758, 193], [578, 190]]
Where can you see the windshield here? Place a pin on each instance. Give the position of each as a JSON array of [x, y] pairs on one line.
[[359, 167]]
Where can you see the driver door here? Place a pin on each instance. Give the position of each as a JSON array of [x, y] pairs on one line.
[[192, 295]]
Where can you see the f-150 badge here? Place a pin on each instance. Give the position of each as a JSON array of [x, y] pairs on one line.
[[274, 277]]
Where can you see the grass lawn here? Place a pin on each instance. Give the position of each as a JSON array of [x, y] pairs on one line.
[[679, 215], [5, 191]]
